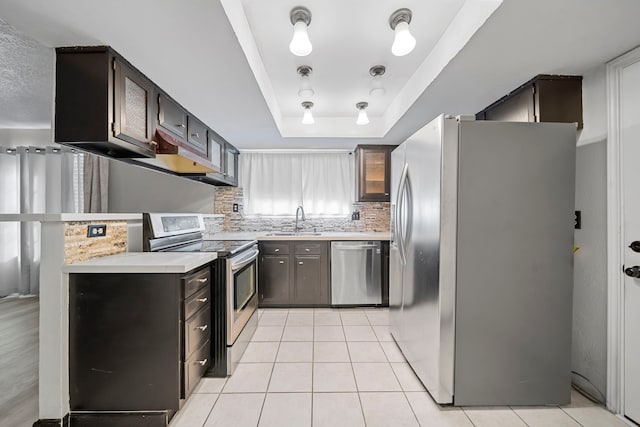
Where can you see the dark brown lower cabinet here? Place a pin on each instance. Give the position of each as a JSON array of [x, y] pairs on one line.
[[274, 280], [138, 345], [294, 274]]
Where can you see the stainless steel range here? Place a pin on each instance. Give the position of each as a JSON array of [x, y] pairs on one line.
[[234, 290]]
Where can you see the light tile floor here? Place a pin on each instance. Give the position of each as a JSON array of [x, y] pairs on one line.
[[340, 367]]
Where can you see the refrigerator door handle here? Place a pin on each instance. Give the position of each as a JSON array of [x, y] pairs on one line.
[[400, 214], [406, 233]]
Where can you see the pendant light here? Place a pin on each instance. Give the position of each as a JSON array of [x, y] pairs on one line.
[[305, 84], [307, 118], [362, 113], [377, 89], [300, 44], [404, 42]]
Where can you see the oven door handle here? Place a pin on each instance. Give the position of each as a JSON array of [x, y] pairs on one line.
[[237, 264]]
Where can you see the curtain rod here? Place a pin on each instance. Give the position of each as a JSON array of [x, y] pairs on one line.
[[296, 151]]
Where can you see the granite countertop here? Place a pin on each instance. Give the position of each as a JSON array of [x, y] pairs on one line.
[[143, 262], [276, 235]]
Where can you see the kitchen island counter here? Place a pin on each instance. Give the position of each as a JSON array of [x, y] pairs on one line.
[[143, 262]]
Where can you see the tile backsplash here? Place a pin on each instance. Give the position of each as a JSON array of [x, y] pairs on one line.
[[374, 216], [78, 247]]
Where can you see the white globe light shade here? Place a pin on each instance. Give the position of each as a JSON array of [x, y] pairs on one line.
[[362, 117], [300, 44], [307, 118], [403, 42]]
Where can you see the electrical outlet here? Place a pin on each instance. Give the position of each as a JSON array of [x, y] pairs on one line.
[[578, 220], [97, 230], [235, 207]]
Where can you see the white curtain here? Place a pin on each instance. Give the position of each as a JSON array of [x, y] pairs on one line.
[[9, 231], [33, 180], [277, 183], [96, 183]]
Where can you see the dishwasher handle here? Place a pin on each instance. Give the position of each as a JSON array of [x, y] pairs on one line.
[[355, 248]]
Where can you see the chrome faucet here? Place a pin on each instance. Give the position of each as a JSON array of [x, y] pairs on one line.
[[300, 208]]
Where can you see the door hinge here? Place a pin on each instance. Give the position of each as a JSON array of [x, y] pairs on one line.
[[113, 126], [114, 64]]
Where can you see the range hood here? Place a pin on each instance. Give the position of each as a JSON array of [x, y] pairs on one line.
[[176, 156]]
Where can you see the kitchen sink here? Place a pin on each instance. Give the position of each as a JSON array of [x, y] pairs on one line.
[[302, 233]]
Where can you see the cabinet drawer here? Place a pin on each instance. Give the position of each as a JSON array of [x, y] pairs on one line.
[[197, 280], [197, 136], [275, 248], [172, 117], [197, 301], [308, 248], [197, 330], [195, 367]]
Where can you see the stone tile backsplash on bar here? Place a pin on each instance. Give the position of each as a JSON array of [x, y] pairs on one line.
[[374, 216], [78, 247]]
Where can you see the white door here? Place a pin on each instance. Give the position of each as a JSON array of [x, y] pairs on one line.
[[630, 155]]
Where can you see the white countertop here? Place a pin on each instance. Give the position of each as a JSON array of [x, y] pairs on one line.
[[333, 235], [143, 262], [71, 217]]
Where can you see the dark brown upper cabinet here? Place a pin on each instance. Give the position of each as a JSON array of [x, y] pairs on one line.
[[545, 98], [172, 117], [231, 170], [373, 172], [228, 175], [197, 138], [102, 103], [182, 125], [216, 150]]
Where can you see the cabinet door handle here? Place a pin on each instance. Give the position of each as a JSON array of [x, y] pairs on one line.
[[277, 250], [281, 262], [202, 299], [195, 135], [181, 125], [202, 328], [201, 362], [300, 263], [203, 280]]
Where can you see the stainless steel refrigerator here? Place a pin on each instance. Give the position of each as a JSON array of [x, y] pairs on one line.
[[481, 259]]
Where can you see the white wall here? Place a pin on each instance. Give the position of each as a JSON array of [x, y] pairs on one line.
[[137, 189], [26, 137], [590, 276]]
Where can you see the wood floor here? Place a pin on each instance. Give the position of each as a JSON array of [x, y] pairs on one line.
[[18, 361]]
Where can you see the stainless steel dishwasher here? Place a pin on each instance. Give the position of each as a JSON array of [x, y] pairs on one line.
[[356, 273]]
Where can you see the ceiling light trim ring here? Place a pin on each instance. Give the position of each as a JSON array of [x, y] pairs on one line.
[[377, 70], [304, 70], [400, 15], [300, 13]]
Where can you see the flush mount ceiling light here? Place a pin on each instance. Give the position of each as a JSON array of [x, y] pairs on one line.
[[404, 42], [376, 72], [307, 118], [362, 114], [300, 44], [305, 84]]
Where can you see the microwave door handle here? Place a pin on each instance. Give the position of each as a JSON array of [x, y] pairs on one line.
[[238, 264]]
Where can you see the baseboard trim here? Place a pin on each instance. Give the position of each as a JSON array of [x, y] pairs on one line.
[[50, 422]]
